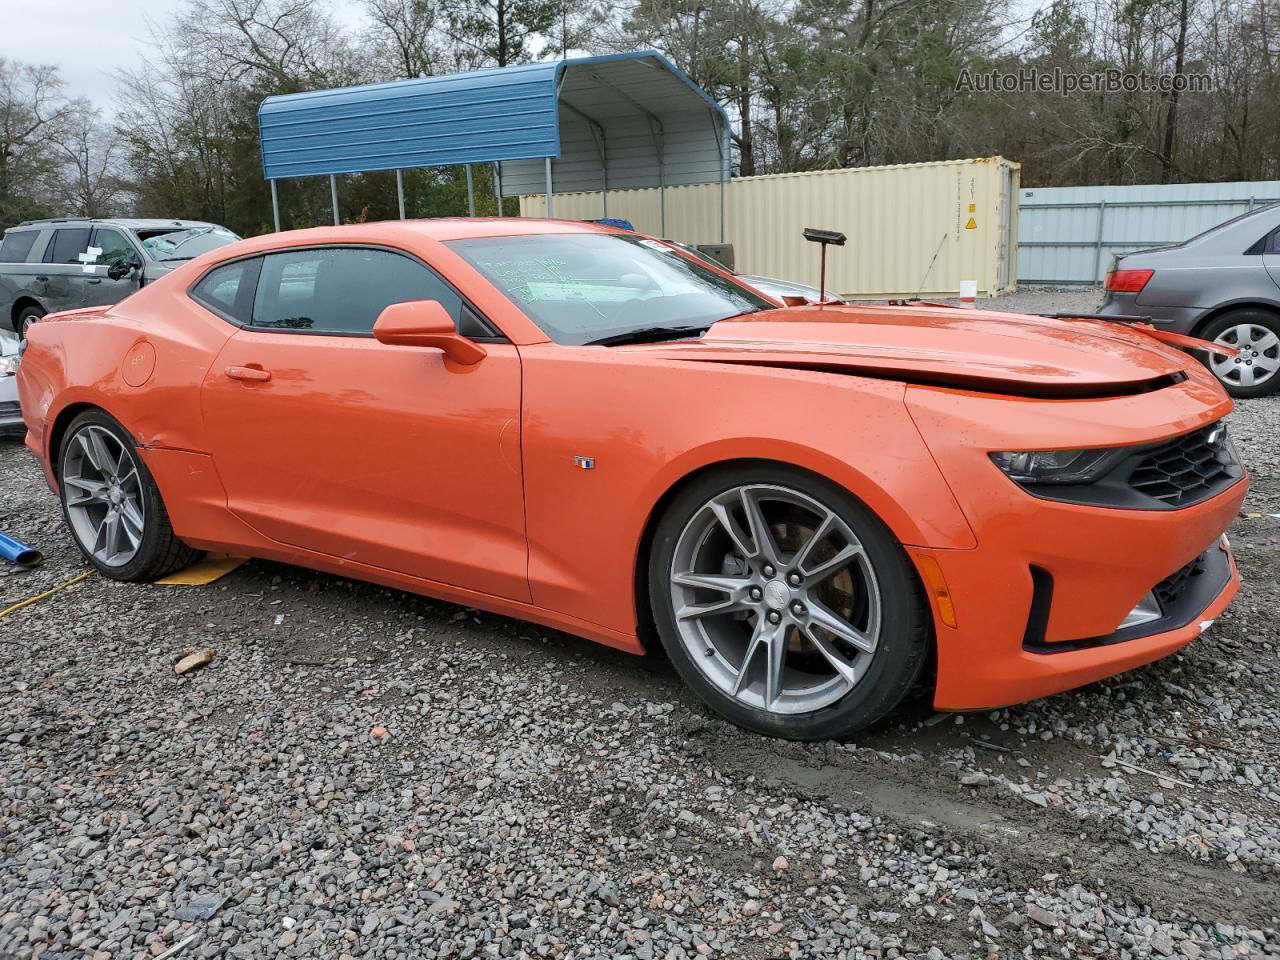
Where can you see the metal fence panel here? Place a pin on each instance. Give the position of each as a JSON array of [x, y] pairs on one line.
[[1068, 235]]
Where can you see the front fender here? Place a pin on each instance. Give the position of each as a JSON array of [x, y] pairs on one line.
[[647, 424]]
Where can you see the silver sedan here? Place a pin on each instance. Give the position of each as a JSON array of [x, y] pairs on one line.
[[1223, 285]]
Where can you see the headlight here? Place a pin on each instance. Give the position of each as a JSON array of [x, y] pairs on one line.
[[1057, 466], [9, 365]]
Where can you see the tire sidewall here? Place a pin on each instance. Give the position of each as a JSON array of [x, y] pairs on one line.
[[1260, 318], [151, 545], [904, 640], [26, 317]]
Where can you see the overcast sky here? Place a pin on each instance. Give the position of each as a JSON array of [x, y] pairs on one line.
[[89, 39]]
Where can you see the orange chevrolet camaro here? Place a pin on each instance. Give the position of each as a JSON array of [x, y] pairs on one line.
[[812, 508]]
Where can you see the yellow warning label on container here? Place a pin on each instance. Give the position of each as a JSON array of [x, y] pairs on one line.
[[972, 224]]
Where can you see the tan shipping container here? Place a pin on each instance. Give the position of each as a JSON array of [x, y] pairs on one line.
[[913, 229]]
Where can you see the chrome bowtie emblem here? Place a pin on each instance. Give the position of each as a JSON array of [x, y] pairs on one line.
[[776, 594]]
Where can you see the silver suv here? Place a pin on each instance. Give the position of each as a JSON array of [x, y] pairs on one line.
[[64, 264]]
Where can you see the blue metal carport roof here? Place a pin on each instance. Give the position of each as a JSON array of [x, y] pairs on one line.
[[630, 109]]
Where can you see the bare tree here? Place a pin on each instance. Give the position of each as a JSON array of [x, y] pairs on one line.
[[32, 110], [89, 182], [287, 45], [404, 36]]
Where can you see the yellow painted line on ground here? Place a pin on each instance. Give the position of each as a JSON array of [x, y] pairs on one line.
[[40, 596], [211, 568]]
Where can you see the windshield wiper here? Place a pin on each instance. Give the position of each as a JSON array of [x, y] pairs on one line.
[[648, 335]]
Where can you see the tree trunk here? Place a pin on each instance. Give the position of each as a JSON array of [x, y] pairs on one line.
[[503, 54], [746, 143], [1171, 117]]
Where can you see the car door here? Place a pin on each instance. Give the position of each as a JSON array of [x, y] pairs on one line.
[[377, 454], [109, 245], [60, 282]]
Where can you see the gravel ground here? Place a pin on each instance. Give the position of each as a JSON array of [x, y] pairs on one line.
[[365, 773]]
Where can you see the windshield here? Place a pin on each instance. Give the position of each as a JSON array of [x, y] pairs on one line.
[[186, 243], [580, 287]]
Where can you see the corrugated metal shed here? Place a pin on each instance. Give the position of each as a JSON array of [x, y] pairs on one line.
[[1067, 235], [913, 228], [628, 119]]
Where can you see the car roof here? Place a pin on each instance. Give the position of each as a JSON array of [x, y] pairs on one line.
[[462, 228], [402, 232], [128, 223]]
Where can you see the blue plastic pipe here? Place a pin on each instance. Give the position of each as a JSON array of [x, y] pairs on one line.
[[15, 551]]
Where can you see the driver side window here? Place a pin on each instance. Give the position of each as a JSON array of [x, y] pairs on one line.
[[341, 290], [113, 245]]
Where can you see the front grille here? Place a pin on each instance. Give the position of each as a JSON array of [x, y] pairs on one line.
[[1169, 589], [1188, 469], [9, 408]]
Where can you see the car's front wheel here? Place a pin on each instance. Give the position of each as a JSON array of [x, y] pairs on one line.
[[112, 504], [1255, 369], [785, 603]]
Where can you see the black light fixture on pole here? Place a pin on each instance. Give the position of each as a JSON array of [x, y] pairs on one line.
[[824, 237]]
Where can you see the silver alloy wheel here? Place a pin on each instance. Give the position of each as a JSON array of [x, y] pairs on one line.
[[104, 496], [1257, 361], [775, 599]]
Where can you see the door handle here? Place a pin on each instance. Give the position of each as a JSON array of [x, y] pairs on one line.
[[96, 280], [255, 374], [42, 279]]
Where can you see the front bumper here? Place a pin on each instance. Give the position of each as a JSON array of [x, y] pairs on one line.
[[978, 670], [11, 424], [1011, 643]]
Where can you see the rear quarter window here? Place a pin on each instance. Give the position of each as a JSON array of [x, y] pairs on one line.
[[17, 245], [228, 290]]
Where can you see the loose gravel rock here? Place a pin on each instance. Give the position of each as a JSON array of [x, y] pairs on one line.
[[364, 773]]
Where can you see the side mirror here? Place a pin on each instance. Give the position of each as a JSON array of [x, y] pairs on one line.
[[119, 269], [426, 323]]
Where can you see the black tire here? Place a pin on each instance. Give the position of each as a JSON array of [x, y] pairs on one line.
[[906, 631], [27, 316], [160, 552], [1236, 318]]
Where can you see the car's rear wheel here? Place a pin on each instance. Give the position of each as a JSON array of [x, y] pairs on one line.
[[785, 603], [26, 317], [112, 504], [1255, 370]]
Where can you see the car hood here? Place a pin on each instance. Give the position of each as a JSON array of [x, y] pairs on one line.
[[1004, 352]]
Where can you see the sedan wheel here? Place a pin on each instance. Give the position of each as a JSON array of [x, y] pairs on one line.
[[104, 496], [1255, 369], [112, 504], [787, 606]]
